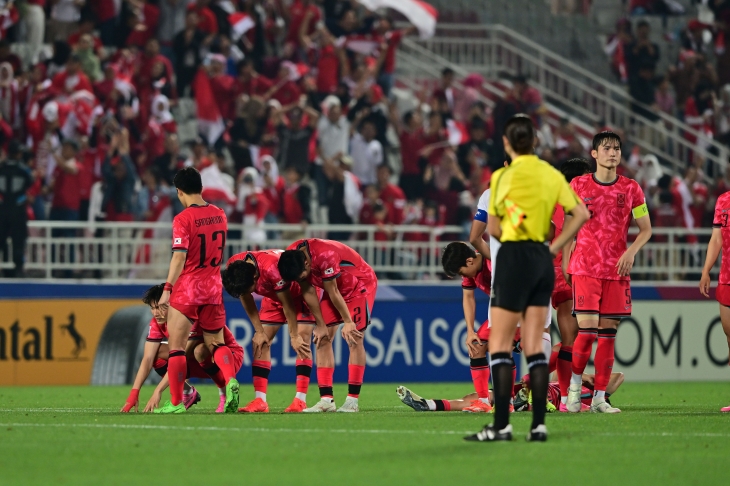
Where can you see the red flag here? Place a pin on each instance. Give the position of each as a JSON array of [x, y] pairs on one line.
[[210, 121], [457, 131], [240, 24]]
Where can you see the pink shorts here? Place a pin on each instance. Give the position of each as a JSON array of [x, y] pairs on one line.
[[207, 317], [607, 298], [483, 332], [562, 291], [272, 312], [722, 294], [360, 309]]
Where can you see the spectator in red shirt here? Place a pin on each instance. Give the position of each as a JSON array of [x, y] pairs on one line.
[[223, 86], [88, 158], [145, 24], [329, 65], [86, 26], [249, 82], [303, 18], [411, 136], [105, 12], [272, 185], [66, 194], [286, 91], [391, 195], [72, 79], [207, 21], [391, 39]]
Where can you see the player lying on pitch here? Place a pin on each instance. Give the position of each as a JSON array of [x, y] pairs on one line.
[[283, 303], [156, 354], [523, 399]]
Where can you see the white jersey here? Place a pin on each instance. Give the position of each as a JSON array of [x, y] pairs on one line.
[[494, 246]]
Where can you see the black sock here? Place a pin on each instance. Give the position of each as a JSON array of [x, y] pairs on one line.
[[539, 375], [501, 364]]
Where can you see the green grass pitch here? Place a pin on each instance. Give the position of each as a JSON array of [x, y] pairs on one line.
[[670, 433]]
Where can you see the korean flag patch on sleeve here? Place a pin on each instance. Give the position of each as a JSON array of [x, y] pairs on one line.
[[178, 241], [329, 271]]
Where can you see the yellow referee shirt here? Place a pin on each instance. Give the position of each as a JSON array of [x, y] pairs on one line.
[[524, 194]]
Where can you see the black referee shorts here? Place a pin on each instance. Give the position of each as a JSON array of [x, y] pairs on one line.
[[524, 276]]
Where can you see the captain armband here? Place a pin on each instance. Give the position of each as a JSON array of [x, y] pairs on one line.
[[640, 211]]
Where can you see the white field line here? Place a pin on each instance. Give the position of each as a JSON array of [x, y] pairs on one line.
[[337, 431]]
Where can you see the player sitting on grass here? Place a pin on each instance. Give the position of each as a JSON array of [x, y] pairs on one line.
[[523, 399], [720, 241], [156, 352], [283, 303]]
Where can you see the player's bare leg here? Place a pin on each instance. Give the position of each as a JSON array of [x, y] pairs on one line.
[[356, 371], [587, 335], [479, 367], [568, 326], [604, 365], [325, 358], [419, 404], [725, 318], [178, 327], [260, 370], [303, 369], [223, 358]]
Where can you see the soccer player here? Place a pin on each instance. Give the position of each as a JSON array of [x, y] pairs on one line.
[[523, 196], [475, 271], [156, 354], [349, 286], [522, 389], [562, 298], [720, 241], [600, 264], [257, 271], [193, 290]]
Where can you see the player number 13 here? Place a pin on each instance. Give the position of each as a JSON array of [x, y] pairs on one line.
[[214, 237]]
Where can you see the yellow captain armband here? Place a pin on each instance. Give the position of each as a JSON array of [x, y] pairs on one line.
[[640, 211]]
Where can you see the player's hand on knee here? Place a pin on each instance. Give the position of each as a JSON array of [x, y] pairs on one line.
[[350, 334], [473, 343], [260, 341], [301, 347], [320, 336]]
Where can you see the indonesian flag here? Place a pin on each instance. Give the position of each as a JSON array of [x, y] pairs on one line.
[[210, 121], [240, 24], [457, 132], [422, 15], [296, 71], [366, 45], [215, 188]]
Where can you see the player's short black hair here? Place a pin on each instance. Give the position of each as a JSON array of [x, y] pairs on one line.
[[455, 256], [291, 265], [575, 167], [520, 133], [605, 136], [188, 181], [238, 278], [153, 294]]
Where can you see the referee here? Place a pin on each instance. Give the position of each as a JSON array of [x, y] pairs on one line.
[[522, 200]]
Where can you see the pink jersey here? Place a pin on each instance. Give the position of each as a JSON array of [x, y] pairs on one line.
[[200, 231], [722, 209], [602, 240], [269, 282], [482, 280], [558, 221], [334, 260]]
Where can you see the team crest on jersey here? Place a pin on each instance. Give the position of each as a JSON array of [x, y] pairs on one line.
[[580, 300], [621, 200], [329, 271], [178, 241]]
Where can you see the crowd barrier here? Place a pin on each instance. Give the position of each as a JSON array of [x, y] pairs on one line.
[[66, 334]]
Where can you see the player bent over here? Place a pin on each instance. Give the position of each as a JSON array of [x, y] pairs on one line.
[[193, 290], [156, 353], [349, 286], [562, 299], [720, 241], [257, 271], [600, 265]]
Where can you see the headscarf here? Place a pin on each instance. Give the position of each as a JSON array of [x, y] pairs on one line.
[[161, 113]]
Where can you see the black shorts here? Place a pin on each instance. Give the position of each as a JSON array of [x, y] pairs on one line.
[[525, 276]]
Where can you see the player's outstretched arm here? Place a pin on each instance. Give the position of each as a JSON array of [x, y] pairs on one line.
[[713, 251], [145, 366], [297, 343], [259, 341], [349, 332], [626, 262], [156, 397], [470, 310]]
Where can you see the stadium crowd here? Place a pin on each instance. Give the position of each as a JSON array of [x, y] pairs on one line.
[[299, 117]]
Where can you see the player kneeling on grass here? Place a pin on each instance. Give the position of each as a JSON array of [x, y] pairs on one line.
[[349, 286], [156, 353], [283, 303], [720, 241]]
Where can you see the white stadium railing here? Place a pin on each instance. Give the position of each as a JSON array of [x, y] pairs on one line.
[[495, 50], [141, 251]]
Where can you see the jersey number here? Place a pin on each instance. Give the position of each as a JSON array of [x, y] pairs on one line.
[[214, 237], [724, 220], [628, 296], [356, 316]]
